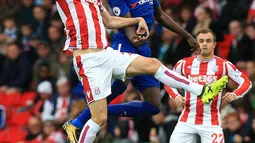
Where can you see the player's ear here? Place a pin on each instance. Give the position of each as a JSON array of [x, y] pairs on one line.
[[215, 44]]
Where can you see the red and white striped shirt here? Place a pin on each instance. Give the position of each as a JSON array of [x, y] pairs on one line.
[[252, 10], [205, 72], [83, 23]]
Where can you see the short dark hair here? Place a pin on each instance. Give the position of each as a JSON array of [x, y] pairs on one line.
[[205, 31]]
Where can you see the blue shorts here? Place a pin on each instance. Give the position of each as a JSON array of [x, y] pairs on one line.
[[122, 44]]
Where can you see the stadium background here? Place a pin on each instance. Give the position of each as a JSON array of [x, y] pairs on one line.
[[37, 74]]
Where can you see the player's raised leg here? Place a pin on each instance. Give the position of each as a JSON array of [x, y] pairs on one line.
[[152, 66]]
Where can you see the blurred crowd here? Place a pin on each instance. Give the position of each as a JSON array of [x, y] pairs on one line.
[[39, 89]]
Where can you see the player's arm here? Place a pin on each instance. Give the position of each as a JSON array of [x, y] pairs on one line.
[[135, 39], [172, 92], [121, 9], [170, 24], [243, 82], [113, 22]]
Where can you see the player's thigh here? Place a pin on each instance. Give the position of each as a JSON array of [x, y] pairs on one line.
[[95, 75], [148, 86], [143, 65], [183, 134], [212, 135], [120, 61]]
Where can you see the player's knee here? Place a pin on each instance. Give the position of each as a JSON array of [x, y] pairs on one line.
[[100, 118], [153, 65]]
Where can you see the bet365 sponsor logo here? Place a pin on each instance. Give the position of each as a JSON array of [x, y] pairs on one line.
[[203, 78]]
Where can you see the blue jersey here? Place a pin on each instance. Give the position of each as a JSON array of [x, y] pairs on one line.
[[137, 8]]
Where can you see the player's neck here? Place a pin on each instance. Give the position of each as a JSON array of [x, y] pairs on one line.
[[205, 58]]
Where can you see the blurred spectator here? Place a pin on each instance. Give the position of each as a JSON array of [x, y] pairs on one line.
[[34, 128], [212, 4], [63, 68], [251, 73], [56, 39], [56, 22], [10, 29], [62, 102], [45, 55], [188, 21], [77, 106], [233, 10], [44, 74], [41, 22], [250, 32], [206, 21], [104, 136], [8, 8], [241, 47], [25, 13], [50, 134], [236, 132], [45, 91], [175, 48], [251, 14], [17, 71], [2, 60], [122, 131], [50, 6]]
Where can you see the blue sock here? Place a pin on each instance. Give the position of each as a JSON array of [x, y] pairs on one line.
[[133, 109], [130, 109], [118, 87]]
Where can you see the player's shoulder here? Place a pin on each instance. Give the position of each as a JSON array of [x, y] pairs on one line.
[[189, 59], [222, 59]]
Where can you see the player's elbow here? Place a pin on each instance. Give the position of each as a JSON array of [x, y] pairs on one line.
[[108, 22]]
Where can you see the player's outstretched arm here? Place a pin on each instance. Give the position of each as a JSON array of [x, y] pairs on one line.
[[113, 22], [170, 24], [135, 39]]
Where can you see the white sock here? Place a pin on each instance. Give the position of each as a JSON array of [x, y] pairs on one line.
[[175, 80], [89, 132]]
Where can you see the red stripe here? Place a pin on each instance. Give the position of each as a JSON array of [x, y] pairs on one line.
[[246, 84], [177, 78], [214, 108], [244, 87], [69, 22], [170, 92], [184, 117], [176, 65], [84, 134], [187, 71], [85, 81], [252, 12], [200, 105], [97, 25], [83, 23]]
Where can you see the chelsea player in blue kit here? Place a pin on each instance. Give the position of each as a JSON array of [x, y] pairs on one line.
[[126, 40]]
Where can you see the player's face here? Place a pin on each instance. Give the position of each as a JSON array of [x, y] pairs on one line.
[[207, 44]]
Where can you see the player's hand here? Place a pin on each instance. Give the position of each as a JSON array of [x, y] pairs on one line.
[[194, 45], [142, 29], [228, 97], [180, 100]]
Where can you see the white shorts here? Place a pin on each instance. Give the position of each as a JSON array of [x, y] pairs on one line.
[[187, 133], [97, 70]]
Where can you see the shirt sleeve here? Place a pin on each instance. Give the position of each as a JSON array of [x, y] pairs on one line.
[[156, 3], [239, 78], [119, 7], [172, 92]]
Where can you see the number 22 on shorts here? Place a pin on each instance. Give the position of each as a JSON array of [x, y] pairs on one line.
[[217, 137]]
